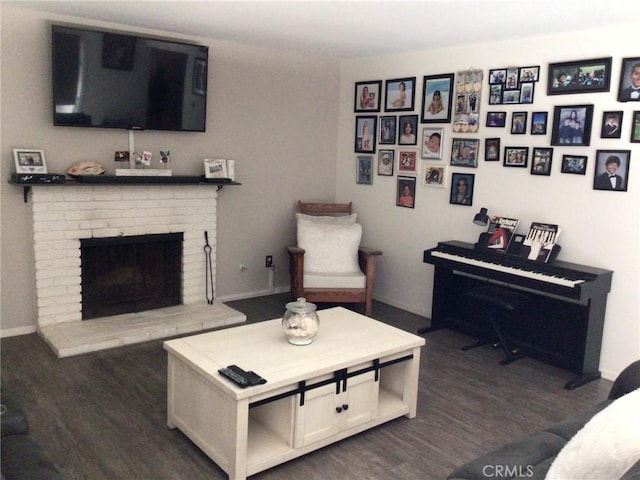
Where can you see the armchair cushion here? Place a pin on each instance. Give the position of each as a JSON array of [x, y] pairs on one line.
[[335, 280], [329, 247]]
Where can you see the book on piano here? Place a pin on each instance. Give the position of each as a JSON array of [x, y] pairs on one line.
[[540, 244], [500, 233]]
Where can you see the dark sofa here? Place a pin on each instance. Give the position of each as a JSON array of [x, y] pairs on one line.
[[531, 457], [22, 457]]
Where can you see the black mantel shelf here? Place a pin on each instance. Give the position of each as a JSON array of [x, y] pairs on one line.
[[90, 180]]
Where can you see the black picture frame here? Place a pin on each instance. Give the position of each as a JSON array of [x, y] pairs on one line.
[[603, 168], [496, 119], [574, 164], [367, 96], [436, 110], [365, 134], [495, 94], [462, 185], [611, 124], [464, 152], [529, 74], [395, 100], [406, 192], [565, 119], [512, 85], [519, 123], [388, 129], [580, 76], [527, 90], [492, 149], [541, 159], [516, 157], [635, 127], [629, 78], [539, 123], [406, 137]]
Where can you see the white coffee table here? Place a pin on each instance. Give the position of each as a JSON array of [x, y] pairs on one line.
[[358, 373]]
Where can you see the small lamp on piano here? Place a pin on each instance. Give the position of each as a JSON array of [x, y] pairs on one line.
[[481, 217]]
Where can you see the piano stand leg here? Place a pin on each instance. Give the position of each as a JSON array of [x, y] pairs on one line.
[[476, 344], [432, 328], [512, 356], [581, 380]]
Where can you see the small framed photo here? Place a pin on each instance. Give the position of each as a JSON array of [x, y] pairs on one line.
[[407, 129], [495, 94], [365, 137], [432, 143], [492, 150], [367, 96], [519, 123], [635, 127], [464, 152], [582, 76], [364, 170], [629, 89], [516, 157], [496, 119], [510, 96], [611, 124], [215, 168], [572, 125], [539, 123], [541, 161], [406, 192], [386, 159], [462, 189], [526, 92], [437, 98], [29, 161], [407, 161], [575, 164], [497, 76], [388, 126], [512, 78], [434, 175], [611, 170], [400, 94], [529, 74]]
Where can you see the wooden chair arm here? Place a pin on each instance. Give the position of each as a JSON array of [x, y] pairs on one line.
[[367, 252], [294, 250]]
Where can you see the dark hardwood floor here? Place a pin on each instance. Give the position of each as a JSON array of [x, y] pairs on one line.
[[103, 415]]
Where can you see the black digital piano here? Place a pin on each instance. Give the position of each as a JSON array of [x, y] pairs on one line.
[[564, 321]]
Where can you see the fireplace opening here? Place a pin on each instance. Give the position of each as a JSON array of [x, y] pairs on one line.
[[130, 274]]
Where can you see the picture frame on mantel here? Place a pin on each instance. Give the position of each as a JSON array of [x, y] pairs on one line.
[[29, 161]]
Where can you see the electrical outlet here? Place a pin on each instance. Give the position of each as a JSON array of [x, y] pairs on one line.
[[268, 261]]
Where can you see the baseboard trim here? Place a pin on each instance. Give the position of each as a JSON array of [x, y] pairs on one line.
[[16, 331]]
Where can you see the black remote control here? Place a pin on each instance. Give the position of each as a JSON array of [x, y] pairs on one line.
[[241, 377]]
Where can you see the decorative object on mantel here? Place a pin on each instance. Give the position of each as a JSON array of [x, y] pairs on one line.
[[29, 160], [300, 322], [86, 168], [467, 101], [215, 168]]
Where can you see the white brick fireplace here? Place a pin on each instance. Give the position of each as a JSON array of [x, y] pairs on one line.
[[62, 215]]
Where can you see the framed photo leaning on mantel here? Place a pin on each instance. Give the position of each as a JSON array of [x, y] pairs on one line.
[[29, 161]]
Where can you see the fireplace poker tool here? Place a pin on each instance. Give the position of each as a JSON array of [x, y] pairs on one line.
[[208, 270]]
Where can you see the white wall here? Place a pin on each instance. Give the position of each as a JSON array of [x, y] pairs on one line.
[[599, 228]]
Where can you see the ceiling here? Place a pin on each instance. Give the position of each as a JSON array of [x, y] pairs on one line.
[[348, 29]]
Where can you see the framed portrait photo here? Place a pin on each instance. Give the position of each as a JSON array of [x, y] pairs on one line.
[[635, 127], [400, 94], [437, 98], [386, 159], [406, 192], [582, 76], [516, 157], [365, 136], [611, 124], [432, 143], [464, 152], [539, 123], [462, 189], [574, 164], [29, 161], [611, 170], [367, 96], [407, 130], [388, 127], [492, 150], [434, 175], [572, 125], [629, 88], [541, 161], [496, 119], [519, 123], [364, 170]]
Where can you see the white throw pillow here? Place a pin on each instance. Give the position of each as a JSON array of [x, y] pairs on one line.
[[337, 220], [329, 247], [606, 447]]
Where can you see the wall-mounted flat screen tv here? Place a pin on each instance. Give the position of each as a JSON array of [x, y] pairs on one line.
[[119, 80]]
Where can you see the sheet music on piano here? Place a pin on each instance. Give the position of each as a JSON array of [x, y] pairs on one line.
[[540, 242]]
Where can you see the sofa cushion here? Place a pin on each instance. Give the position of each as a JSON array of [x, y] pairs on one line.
[[329, 247], [13, 420], [568, 428], [606, 447]]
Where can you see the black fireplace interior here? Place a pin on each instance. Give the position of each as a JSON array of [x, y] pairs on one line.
[[130, 274]]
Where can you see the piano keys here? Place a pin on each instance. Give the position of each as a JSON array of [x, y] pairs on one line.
[[565, 322]]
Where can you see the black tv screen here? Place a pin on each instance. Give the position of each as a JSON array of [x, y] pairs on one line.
[[115, 80]]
